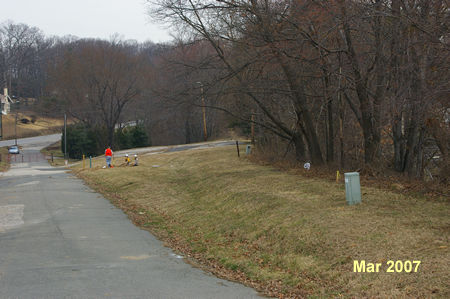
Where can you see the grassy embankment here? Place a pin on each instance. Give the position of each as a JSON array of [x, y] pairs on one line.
[[42, 126], [58, 156], [4, 165], [279, 231]]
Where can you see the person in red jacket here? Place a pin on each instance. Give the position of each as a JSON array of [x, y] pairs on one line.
[[108, 156]]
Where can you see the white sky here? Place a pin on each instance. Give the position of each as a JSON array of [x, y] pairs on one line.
[[85, 18]]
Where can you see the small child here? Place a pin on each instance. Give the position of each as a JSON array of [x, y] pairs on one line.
[[135, 160], [127, 160]]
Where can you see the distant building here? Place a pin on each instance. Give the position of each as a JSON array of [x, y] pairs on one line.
[[5, 101]]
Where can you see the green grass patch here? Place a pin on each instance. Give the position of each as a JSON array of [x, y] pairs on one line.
[[290, 234]]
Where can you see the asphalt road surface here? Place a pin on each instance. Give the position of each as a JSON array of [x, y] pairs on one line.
[[58, 239], [33, 143]]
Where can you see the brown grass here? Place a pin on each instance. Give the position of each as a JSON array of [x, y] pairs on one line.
[[4, 163], [58, 156], [284, 233], [383, 178], [42, 126]]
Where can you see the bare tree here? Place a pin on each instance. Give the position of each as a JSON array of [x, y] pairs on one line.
[[97, 80], [20, 45], [251, 38]]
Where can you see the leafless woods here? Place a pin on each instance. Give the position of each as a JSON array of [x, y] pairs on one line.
[[358, 83], [350, 84]]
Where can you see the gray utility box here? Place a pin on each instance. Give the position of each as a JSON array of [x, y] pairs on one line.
[[248, 149], [352, 188]]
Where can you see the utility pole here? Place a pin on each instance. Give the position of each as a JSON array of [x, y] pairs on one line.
[[205, 132], [1, 124], [341, 122], [2, 107], [15, 129], [252, 128], [65, 136]]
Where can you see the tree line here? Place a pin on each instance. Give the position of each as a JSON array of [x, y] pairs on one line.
[[348, 84], [360, 84]]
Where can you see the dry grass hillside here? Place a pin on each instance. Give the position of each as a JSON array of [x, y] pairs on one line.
[[41, 126], [286, 234]]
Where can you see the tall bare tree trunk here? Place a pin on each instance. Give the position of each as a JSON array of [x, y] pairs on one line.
[[399, 144], [370, 111], [303, 114]]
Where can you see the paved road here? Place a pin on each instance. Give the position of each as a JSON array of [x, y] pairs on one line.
[[175, 148], [60, 239], [33, 143]]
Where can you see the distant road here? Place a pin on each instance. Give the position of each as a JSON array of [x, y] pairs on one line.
[[176, 148], [33, 143], [39, 142]]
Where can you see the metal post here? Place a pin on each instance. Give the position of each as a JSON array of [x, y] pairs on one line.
[[15, 129], [90, 161], [65, 136]]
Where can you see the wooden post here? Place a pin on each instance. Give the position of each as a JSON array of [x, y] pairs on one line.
[[253, 128], [65, 139], [341, 123], [52, 157], [15, 130], [1, 126], [237, 146], [205, 132]]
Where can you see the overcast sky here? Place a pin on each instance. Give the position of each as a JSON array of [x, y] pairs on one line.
[[85, 18]]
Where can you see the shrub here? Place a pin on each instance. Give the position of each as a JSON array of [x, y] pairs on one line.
[[81, 140], [123, 138], [139, 136], [90, 141], [131, 137]]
